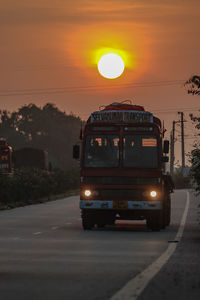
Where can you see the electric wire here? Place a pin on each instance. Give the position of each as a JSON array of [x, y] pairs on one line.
[[72, 89]]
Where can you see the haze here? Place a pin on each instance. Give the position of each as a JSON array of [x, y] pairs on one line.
[[48, 50]]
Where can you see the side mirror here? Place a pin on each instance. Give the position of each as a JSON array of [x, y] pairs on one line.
[[76, 151], [166, 147], [165, 159]]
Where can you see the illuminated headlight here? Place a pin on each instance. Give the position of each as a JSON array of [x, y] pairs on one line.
[[87, 193], [153, 194]]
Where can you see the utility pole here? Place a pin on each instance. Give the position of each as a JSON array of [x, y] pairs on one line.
[[172, 141], [182, 143]]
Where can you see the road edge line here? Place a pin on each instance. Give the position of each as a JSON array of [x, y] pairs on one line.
[[134, 287]]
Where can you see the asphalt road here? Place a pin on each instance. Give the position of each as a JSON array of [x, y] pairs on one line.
[[45, 254]]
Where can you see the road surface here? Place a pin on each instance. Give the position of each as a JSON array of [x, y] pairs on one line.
[[45, 254]]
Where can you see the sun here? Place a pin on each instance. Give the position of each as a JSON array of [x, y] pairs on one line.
[[111, 66]]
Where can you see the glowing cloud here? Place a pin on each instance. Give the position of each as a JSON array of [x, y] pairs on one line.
[[88, 44]]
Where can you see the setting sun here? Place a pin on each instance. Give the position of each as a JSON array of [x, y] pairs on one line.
[[111, 65]]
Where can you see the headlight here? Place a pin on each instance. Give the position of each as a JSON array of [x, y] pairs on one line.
[[87, 193], [153, 194]]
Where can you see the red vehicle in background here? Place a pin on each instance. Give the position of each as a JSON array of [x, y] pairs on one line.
[[5, 157], [123, 168]]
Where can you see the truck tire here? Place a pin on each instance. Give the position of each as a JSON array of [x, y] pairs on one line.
[[155, 221], [168, 211], [87, 220]]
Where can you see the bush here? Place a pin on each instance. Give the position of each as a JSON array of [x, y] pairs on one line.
[[180, 181], [195, 168], [27, 186]]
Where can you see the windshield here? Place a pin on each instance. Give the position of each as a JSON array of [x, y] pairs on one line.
[[140, 151], [102, 151]]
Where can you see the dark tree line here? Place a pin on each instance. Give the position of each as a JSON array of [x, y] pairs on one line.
[[45, 128], [193, 87], [195, 157]]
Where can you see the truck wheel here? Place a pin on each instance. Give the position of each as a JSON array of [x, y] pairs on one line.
[[155, 221], [87, 221], [164, 218], [168, 211], [87, 225]]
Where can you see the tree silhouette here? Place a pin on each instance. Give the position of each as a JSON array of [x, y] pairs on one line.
[[193, 85], [45, 128]]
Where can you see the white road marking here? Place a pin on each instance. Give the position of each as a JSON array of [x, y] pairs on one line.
[[36, 233], [134, 287]]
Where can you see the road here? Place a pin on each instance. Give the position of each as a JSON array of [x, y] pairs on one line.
[[45, 254]]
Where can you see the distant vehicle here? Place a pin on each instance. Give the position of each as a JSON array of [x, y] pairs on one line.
[[5, 157], [123, 168], [30, 158]]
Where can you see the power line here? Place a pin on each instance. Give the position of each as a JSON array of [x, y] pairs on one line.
[[25, 92], [175, 109], [170, 110]]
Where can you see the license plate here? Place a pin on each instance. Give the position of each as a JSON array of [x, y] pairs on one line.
[[121, 204]]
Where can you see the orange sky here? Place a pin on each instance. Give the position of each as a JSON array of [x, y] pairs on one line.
[[48, 50]]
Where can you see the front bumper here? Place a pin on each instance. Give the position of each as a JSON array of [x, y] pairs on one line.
[[120, 205]]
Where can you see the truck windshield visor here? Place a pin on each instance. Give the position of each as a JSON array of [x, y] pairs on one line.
[[101, 151], [140, 151]]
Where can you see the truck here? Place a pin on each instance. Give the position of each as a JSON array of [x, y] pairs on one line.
[[122, 168], [30, 158], [5, 157]]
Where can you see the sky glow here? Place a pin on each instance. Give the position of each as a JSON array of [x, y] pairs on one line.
[[56, 44]]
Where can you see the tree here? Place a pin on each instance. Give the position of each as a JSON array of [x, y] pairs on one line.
[[193, 85], [195, 169], [9, 128], [29, 122], [45, 128], [195, 156]]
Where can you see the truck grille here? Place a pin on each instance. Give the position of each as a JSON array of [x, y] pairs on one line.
[[121, 194], [120, 180]]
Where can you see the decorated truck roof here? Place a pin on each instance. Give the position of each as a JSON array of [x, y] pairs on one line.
[[123, 113]]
